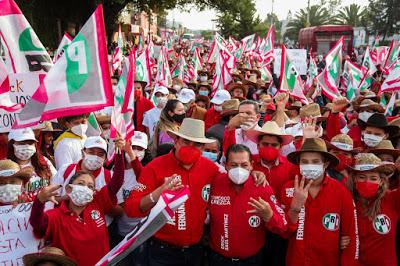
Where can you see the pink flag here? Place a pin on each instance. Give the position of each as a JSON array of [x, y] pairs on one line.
[[222, 76]]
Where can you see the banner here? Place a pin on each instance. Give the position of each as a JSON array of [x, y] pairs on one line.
[[159, 215], [16, 234], [298, 58], [78, 83]]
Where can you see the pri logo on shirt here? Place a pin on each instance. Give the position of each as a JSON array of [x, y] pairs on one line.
[[382, 224], [95, 214], [254, 221], [331, 221], [205, 192]]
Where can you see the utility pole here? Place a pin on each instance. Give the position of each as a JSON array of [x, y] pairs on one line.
[[308, 14], [272, 12]]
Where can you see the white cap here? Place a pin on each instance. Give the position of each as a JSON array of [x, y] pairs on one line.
[[161, 89], [220, 97], [295, 131], [95, 142], [139, 139], [186, 95], [22, 134]]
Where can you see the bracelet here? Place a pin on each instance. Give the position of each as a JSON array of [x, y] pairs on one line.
[[151, 198]]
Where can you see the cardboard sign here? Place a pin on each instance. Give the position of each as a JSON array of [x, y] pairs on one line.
[[16, 237], [159, 215], [297, 56], [22, 87]]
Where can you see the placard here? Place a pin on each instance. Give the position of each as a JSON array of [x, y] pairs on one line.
[[297, 56]]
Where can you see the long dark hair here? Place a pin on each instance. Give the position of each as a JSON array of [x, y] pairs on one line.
[[37, 160]]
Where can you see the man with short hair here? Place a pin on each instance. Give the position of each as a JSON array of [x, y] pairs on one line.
[[142, 105], [151, 117], [237, 130]]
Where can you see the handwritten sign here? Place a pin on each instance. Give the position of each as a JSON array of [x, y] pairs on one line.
[[22, 87], [297, 56], [16, 237]]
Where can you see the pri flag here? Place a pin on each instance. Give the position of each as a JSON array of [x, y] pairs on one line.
[[266, 75], [118, 53], [179, 69], [333, 68], [197, 63], [160, 214], [312, 72], [163, 76], [78, 83], [267, 49], [368, 64], [392, 82], [351, 79], [290, 80], [379, 55], [390, 106], [248, 42], [65, 41], [94, 128], [222, 77], [143, 72], [23, 50], [392, 56]]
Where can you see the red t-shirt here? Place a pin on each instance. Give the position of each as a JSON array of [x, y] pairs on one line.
[[234, 233], [187, 226], [314, 239], [142, 105], [378, 237], [84, 238], [278, 175], [211, 118]]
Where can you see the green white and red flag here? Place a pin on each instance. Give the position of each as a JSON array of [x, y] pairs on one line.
[[390, 105], [118, 53], [163, 76], [94, 128], [143, 72], [392, 81], [197, 62], [248, 42], [379, 55], [368, 64], [5, 99], [222, 76], [178, 71], [266, 74], [333, 68], [392, 56], [267, 48], [65, 41], [351, 79], [312, 72]]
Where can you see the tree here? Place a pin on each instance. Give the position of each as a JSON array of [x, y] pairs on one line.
[[351, 15], [385, 15], [239, 20], [262, 28], [318, 15]]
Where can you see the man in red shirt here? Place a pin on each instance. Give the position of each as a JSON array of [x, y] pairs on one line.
[[240, 213], [319, 210], [213, 115], [178, 242], [142, 105]]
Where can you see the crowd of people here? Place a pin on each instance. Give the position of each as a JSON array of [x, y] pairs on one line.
[[272, 181]]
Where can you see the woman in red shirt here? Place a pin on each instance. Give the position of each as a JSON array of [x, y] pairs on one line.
[[378, 210]]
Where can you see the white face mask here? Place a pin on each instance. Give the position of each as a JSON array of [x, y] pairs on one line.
[[311, 171], [247, 126], [161, 101], [139, 154], [238, 175], [24, 152], [372, 140], [218, 108], [177, 88], [92, 162], [364, 116], [9, 193], [80, 195], [80, 130]]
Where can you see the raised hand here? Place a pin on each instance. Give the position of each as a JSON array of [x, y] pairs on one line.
[[48, 194], [310, 128], [300, 193], [261, 208], [281, 100], [173, 183], [339, 104]]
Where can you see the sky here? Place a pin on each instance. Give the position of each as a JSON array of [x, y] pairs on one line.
[[203, 20]]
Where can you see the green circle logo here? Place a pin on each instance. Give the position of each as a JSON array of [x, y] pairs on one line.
[[382, 224], [331, 221]]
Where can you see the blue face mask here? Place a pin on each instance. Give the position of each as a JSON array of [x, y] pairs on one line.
[[203, 93], [210, 155]]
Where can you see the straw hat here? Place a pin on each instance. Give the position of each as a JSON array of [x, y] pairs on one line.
[[251, 80], [9, 168], [205, 84], [368, 103], [103, 119], [296, 105], [269, 128], [193, 130], [385, 147], [237, 73], [313, 145], [378, 120], [48, 127], [239, 85], [52, 254], [256, 72], [370, 162], [341, 142], [311, 110], [230, 107]]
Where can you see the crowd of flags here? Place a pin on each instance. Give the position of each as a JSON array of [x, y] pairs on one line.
[[77, 79]]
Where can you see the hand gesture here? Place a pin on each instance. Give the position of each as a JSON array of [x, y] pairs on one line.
[[339, 103], [119, 143], [261, 208], [128, 149], [310, 128], [48, 194], [173, 183], [281, 100], [300, 193], [259, 178]]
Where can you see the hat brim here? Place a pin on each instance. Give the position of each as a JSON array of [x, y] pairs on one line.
[[386, 168], [229, 112], [254, 134], [199, 140], [24, 174], [393, 152], [390, 129], [35, 258], [331, 146], [293, 157]]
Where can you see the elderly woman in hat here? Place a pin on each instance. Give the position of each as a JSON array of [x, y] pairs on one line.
[[12, 182], [378, 209], [320, 210]]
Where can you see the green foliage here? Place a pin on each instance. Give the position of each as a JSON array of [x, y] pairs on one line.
[[262, 28], [384, 14], [353, 15], [318, 15]]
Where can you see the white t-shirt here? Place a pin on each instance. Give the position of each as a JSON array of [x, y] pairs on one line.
[[68, 151], [151, 118], [125, 223]]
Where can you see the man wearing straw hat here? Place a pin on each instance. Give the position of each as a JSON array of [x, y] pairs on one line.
[[178, 242], [320, 210]]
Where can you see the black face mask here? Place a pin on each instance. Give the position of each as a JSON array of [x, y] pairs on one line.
[[178, 118]]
